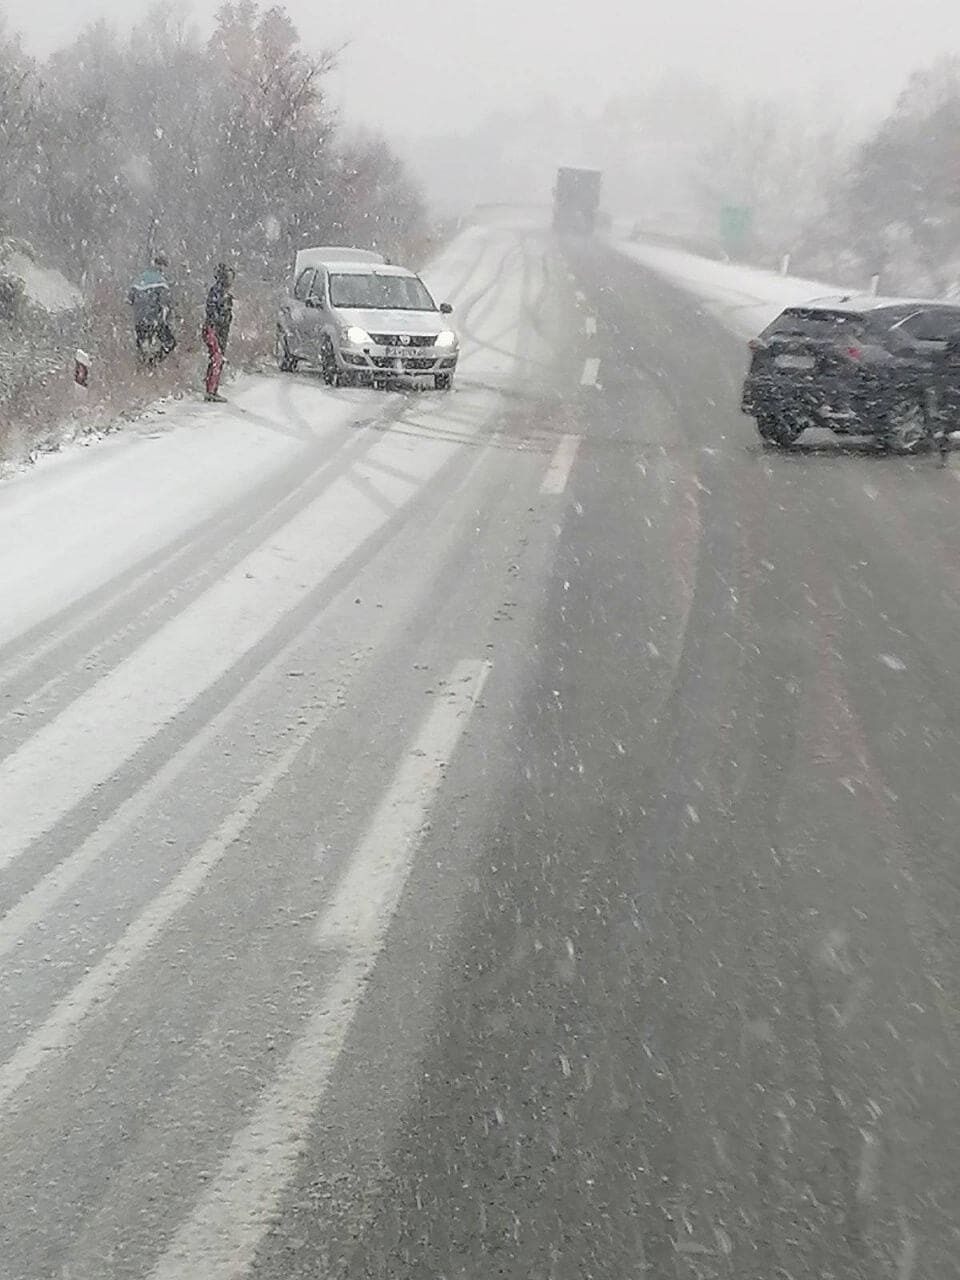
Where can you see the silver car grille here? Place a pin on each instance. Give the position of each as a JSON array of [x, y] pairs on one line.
[[403, 339]]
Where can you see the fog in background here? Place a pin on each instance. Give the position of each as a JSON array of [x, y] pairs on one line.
[[809, 114], [484, 99], [420, 67]]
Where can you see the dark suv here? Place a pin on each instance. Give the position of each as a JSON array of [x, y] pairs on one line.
[[859, 365]]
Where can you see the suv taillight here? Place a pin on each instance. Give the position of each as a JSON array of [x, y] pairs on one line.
[[855, 353]]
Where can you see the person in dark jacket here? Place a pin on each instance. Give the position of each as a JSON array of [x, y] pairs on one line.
[[152, 301], [216, 327]]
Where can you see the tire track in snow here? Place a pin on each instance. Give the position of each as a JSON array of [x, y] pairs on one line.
[[107, 633]]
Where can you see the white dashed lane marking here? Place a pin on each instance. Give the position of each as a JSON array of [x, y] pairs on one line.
[[591, 367], [561, 464]]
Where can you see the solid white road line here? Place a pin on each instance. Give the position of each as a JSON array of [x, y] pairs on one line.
[[97, 986], [591, 367], [219, 1239], [97, 733], [590, 326], [36, 903], [558, 472], [92, 738]]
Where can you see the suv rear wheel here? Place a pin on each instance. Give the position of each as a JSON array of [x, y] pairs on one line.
[[779, 431], [906, 428]]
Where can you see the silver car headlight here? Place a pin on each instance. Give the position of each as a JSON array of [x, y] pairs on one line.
[[447, 338], [356, 336]]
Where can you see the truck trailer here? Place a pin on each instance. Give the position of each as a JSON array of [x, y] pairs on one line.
[[576, 200]]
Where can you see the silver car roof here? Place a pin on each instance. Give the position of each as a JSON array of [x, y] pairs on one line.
[[370, 269], [327, 254]]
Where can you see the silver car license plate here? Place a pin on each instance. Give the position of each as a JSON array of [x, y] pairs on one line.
[[795, 362]]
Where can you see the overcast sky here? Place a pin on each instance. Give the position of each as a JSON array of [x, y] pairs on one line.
[[425, 66]]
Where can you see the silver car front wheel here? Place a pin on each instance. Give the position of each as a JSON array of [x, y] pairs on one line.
[[329, 369], [907, 429]]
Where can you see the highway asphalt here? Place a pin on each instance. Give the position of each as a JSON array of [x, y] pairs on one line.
[[560, 884]]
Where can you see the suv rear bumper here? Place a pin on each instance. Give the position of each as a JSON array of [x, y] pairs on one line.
[[833, 401]]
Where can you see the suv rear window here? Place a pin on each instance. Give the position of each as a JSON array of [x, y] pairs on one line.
[[938, 324], [807, 322]]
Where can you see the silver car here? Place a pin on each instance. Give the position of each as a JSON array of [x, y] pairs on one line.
[[361, 319]]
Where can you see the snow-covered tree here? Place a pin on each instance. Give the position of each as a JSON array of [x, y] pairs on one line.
[[19, 90], [209, 150]]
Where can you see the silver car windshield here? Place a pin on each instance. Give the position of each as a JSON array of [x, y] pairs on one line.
[[375, 292]]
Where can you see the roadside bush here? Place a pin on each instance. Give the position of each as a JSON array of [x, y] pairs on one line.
[[225, 149], [12, 298]]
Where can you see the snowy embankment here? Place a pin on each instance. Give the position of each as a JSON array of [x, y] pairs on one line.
[[744, 299], [43, 286]]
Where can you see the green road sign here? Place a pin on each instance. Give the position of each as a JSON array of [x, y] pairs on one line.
[[735, 225]]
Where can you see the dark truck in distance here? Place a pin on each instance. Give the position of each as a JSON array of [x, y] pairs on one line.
[[576, 200], [882, 367]]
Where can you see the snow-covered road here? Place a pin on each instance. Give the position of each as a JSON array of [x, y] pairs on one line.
[[509, 832], [187, 605]]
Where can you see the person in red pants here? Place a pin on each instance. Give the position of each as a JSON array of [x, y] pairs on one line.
[[216, 327]]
